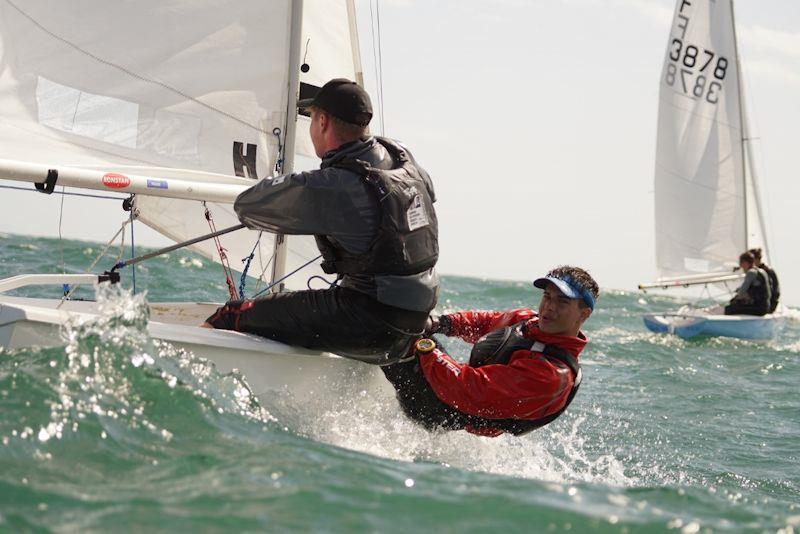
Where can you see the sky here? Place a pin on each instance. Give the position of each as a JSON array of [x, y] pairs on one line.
[[537, 122]]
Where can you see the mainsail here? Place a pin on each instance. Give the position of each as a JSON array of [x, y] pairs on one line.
[[201, 90], [706, 197]]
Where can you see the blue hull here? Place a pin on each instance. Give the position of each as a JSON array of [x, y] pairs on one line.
[[737, 326]]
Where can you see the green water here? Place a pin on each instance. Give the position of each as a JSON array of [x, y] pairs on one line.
[[115, 431]]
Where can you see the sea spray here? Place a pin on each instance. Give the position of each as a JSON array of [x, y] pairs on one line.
[[665, 435], [114, 379]]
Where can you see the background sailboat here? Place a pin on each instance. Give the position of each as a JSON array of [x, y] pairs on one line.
[[186, 104], [708, 207]]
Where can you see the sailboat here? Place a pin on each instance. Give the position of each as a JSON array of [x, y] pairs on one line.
[[180, 106], [707, 197]]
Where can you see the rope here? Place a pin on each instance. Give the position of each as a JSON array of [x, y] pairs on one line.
[[284, 277], [318, 277], [246, 261], [223, 257]]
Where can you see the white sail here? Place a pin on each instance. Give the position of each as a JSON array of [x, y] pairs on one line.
[[136, 88], [706, 213], [150, 84]]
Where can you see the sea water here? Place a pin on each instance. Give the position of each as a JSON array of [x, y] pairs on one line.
[[114, 431]]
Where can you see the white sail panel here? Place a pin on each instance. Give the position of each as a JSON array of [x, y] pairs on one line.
[[183, 85], [330, 50], [699, 176]]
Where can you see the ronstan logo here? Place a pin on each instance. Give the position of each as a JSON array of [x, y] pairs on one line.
[[116, 181]]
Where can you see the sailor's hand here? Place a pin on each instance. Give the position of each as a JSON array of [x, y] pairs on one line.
[[437, 324], [431, 325]]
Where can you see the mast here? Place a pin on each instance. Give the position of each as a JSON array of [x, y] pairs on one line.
[[351, 19], [295, 44], [742, 123]]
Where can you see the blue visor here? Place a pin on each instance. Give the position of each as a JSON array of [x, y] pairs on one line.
[[569, 287]]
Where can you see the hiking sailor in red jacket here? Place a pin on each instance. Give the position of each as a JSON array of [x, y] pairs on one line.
[[523, 370]]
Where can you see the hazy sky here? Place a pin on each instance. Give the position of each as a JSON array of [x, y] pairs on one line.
[[537, 121]]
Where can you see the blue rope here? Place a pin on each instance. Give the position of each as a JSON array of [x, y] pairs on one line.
[[284, 277], [247, 260]]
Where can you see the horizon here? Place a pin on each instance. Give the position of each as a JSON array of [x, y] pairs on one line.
[[603, 289]]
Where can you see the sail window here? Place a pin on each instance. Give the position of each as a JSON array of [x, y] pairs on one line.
[[98, 117]]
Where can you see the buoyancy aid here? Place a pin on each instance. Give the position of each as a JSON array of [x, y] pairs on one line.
[[497, 347], [407, 237], [774, 286], [759, 293]]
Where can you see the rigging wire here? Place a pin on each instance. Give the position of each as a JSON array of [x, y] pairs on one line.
[[377, 56], [380, 62], [61, 240], [102, 253], [133, 250], [757, 163], [264, 270], [63, 193]]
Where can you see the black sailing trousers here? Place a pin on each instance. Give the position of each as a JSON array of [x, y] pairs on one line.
[[338, 320]]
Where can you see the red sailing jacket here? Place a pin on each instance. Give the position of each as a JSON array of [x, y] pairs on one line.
[[529, 387]]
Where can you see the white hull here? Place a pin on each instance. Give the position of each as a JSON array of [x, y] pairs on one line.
[[267, 366]]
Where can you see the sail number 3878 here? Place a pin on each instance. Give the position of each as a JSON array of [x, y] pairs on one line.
[[699, 71]]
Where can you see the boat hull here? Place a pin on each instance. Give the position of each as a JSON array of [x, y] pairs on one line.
[[267, 366], [688, 325]]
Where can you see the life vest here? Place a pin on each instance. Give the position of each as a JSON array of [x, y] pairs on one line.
[[421, 403], [407, 237], [774, 286], [497, 347], [759, 293]]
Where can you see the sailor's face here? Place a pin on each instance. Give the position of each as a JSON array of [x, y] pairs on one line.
[[315, 132], [559, 314]]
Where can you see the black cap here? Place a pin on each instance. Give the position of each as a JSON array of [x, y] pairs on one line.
[[344, 99]]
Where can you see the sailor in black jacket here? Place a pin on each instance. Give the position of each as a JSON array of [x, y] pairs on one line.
[[370, 207]]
